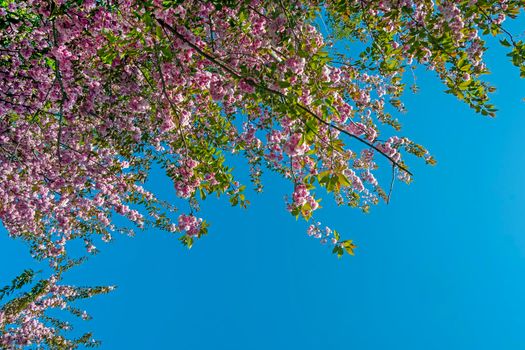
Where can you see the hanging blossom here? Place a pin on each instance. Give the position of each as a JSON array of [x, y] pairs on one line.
[[190, 224], [326, 235]]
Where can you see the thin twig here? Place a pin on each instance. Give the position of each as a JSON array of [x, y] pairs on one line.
[[510, 36], [391, 184]]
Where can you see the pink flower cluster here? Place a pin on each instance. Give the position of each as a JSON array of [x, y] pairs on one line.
[[296, 65], [301, 196], [293, 146], [189, 224], [390, 147], [325, 234], [185, 179]]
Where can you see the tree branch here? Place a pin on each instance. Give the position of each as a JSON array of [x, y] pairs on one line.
[[275, 92]]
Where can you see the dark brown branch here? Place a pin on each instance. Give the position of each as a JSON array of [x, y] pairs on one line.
[[487, 16]]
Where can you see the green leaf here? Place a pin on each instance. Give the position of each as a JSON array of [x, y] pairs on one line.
[[349, 246], [505, 43], [338, 250], [336, 235]]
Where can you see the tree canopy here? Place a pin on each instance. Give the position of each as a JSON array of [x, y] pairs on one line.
[[97, 93]]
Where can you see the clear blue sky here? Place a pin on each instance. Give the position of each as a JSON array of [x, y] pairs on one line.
[[441, 267]]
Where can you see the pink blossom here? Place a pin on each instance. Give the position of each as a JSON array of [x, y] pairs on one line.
[[189, 224], [293, 146]]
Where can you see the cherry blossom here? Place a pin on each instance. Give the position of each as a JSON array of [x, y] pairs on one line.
[[94, 94]]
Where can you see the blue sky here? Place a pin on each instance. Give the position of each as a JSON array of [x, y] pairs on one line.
[[441, 267]]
